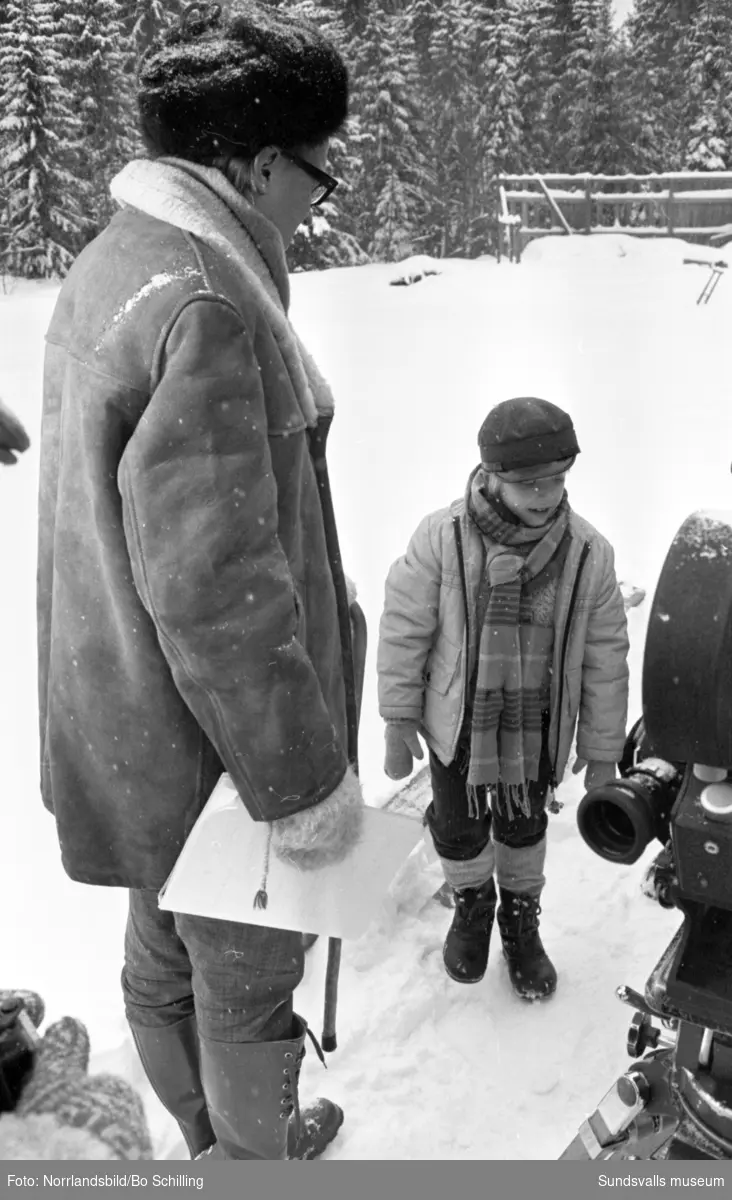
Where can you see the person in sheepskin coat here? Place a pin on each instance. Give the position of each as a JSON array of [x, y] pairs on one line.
[[503, 630], [192, 606]]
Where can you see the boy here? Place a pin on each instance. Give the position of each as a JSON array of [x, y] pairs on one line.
[[503, 630]]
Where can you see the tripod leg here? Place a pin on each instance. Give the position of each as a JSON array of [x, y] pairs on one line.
[[635, 1118], [642, 1140]]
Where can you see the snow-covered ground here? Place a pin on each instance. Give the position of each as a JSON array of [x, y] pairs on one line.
[[606, 327]]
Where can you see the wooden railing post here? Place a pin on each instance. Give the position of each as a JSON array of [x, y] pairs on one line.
[[499, 227], [554, 206], [632, 203]]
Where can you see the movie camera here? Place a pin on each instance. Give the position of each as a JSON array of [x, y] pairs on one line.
[[675, 786]]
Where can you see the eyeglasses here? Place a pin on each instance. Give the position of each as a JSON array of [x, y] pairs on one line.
[[326, 184]]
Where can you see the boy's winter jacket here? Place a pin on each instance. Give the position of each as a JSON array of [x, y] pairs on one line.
[[428, 639]]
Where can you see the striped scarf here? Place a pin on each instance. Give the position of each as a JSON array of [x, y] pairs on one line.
[[505, 736]]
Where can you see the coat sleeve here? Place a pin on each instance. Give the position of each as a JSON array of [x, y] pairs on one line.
[[408, 626], [200, 514], [604, 705]]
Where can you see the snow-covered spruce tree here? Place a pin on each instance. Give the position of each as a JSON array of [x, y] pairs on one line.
[[96, 76], [423, 18], [143, 20], [386, 98], [709, 96], [657, 36], [552, 123], [40, 218], [599, 133], [328, 238], [450, 106], [537, 52], [577, 81], [499, 142]]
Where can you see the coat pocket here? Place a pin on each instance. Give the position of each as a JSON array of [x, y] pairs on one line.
[[442, 666]]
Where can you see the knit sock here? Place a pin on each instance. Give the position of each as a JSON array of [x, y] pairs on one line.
[[469, 872], [521, 868]]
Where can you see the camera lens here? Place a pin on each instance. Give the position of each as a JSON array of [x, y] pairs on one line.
[[616, 825], [616, 822]]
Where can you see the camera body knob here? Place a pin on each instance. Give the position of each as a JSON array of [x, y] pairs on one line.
[[709, 774], [716, 800]]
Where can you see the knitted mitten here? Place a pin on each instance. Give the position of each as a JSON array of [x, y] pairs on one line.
[[325, 833], [402, 747], [65, 1113]]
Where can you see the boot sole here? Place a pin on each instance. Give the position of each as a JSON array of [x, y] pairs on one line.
[[538, 998], [459, 978]]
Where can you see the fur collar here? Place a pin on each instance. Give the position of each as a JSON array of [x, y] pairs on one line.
[[201, 201]]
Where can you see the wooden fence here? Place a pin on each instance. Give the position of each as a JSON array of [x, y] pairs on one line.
[[693, 205]]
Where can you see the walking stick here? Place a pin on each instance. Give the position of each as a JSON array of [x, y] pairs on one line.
[[358, 640]]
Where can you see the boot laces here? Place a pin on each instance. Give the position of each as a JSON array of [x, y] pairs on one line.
[[525, 910], [290, 1102], [474, 906]]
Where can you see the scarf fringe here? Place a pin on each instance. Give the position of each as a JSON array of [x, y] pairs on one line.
[[473, 794], [515, 797]]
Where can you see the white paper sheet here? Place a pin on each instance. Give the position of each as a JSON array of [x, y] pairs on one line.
[[219, 872]]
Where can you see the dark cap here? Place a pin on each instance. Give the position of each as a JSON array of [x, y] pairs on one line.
[[526, 432]]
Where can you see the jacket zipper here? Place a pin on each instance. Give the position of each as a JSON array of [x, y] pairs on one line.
[[466, 606], [565, 642]]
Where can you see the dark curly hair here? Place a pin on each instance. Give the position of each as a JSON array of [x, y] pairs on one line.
[[227, 81]]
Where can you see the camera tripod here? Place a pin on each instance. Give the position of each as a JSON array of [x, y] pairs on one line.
[[674, 1102]]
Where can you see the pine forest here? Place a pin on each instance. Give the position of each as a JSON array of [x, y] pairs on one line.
[[446, 95]]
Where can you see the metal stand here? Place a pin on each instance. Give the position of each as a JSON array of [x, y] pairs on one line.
[[673, 1103]]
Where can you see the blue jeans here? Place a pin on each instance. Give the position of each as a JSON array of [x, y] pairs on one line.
[[238, 980]]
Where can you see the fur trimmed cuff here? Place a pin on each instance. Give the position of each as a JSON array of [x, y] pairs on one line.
[[325, 833]]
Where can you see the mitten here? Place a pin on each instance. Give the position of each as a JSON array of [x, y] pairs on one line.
[[596, 773], [65, 1113], [325, 833], [402, 747], [13, 437]]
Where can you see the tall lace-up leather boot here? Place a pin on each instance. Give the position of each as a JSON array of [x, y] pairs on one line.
[[252, 1095]]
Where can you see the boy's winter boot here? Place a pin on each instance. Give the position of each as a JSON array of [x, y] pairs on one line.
[[468, 940], [531, 971], [252, 1095]]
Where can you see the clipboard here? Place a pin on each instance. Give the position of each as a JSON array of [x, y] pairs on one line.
[[219, 871]]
